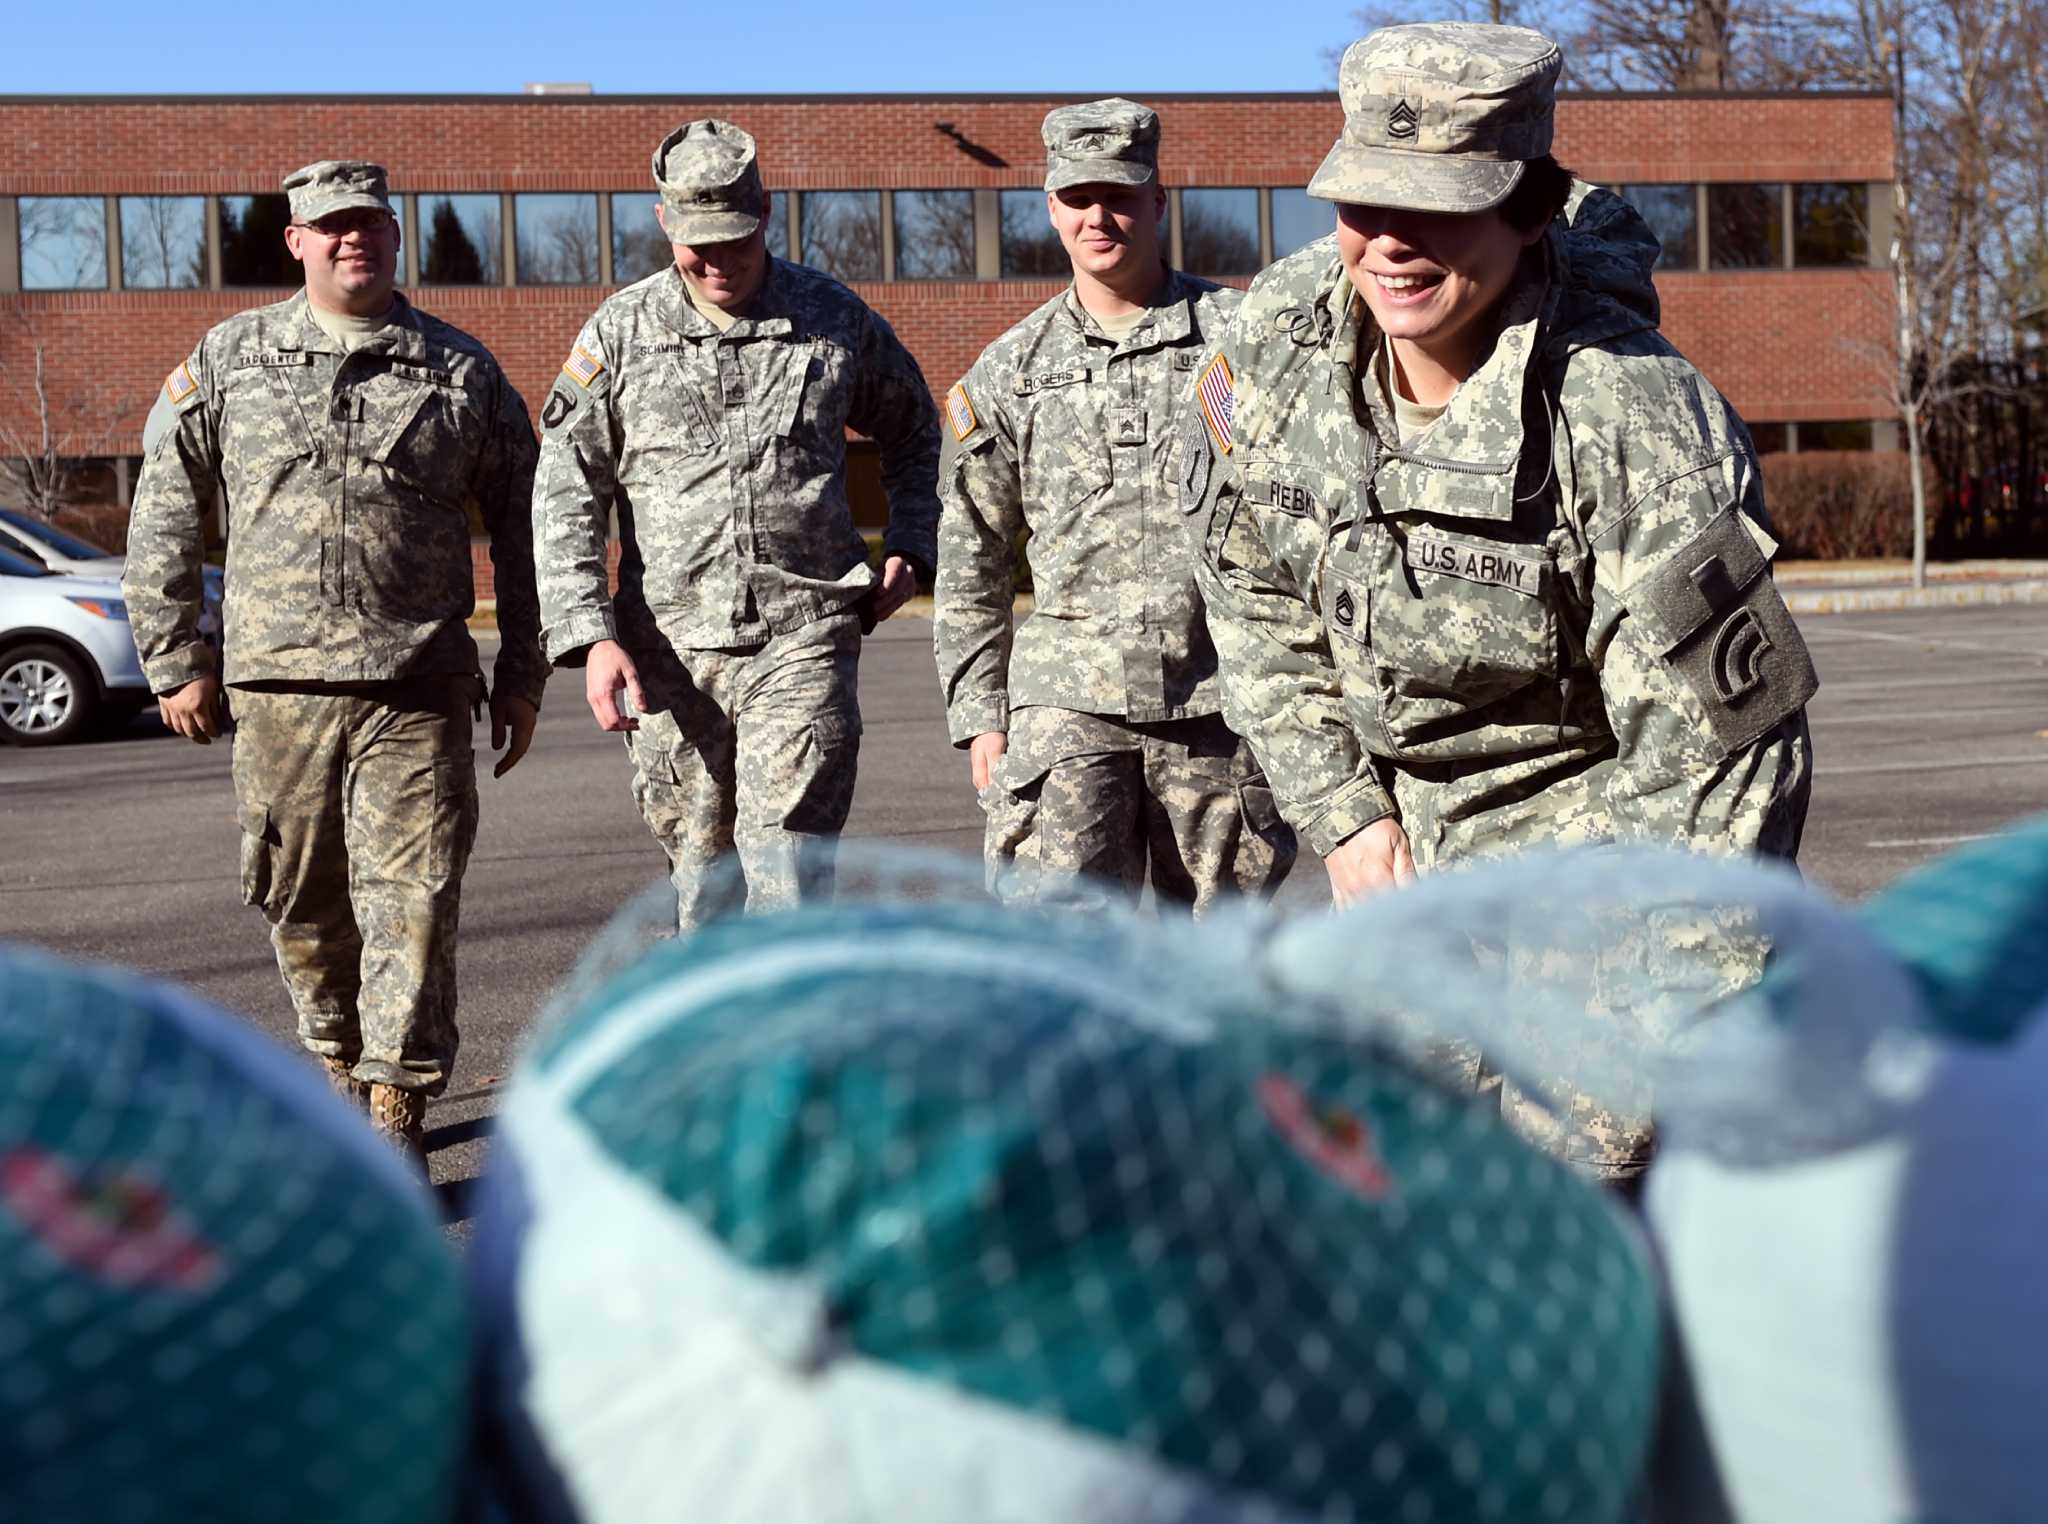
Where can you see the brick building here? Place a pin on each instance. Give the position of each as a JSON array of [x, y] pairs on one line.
[[129, 225]]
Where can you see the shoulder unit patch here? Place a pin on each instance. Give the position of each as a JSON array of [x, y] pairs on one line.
[[1216, 392], [960, 413], [582, 367]]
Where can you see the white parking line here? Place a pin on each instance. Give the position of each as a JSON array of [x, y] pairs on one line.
[[1954, 680], [2040, 759], [1894, 717], [1949, 645], [1931, 841]]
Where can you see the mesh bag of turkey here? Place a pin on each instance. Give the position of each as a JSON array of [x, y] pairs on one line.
[[221, 1297], [910, 1208]]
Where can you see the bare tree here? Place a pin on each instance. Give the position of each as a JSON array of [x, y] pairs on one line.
[[45, 429]]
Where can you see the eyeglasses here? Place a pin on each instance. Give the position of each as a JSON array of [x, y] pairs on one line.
[[341, 224]]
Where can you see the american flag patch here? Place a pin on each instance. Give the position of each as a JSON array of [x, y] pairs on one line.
[[1219, 401], [582, 367], [179, 385], [960, 413]]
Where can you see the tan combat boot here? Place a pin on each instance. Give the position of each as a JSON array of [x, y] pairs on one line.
[[346, 1085], [401, 1116]]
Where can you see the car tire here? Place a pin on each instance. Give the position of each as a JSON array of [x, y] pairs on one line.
[[47, 696]]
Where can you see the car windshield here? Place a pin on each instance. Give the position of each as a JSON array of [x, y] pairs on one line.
[[56, 539], [12, 565]]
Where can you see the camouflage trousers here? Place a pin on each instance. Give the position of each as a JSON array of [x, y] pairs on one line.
[[1081, 804], [358, 809], [751, 751]]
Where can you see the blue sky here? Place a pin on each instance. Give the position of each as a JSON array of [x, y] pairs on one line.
[[739, 47]]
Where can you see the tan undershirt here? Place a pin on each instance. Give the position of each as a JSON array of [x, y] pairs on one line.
[[347, 330], [1411, 419], [1120, 327], [707, 309]]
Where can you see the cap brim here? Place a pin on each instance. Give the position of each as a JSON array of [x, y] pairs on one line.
[[1417, 182], [1099, 172], [695, 227]]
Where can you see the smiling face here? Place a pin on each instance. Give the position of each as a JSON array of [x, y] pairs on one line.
[[1111, 232], [725, 274], [1431, 279], [350, 258]]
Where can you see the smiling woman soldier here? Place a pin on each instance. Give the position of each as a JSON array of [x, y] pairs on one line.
[[1486, 560]]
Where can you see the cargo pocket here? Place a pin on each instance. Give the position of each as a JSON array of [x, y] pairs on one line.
[[260, 842], [455, 816]]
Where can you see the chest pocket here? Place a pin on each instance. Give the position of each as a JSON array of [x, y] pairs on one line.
[[814, 395], [1448, 623], [269, 418], [1066, 462], [421, 426]]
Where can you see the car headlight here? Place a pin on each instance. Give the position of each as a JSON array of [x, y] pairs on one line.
[[105, 608]]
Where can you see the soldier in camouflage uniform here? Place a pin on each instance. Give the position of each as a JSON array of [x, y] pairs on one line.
[[351, 439], [707, 406], [1487, 561], [1095, 739]]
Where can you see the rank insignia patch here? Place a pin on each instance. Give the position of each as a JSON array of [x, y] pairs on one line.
[[179, 384], [960, 413], [1218, 397], [582, 367]]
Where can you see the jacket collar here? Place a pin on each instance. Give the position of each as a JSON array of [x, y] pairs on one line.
[[768, 315], [1168, 319]]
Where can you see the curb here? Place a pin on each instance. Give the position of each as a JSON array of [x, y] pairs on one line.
[[1876, 600]]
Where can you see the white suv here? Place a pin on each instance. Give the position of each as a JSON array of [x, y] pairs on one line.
[[66, 653]]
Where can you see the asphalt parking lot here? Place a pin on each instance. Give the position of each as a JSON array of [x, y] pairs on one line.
[[1931, 729]]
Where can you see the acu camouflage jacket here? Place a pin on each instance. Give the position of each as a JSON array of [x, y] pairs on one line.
[[724, 455], [349, 482], [1070, 435], [1556, 603]]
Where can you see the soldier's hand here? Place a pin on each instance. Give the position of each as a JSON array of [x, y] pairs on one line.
[[606, 669], [193, 710], [983, 752], [899, 586], [1375, 859], [512, 722]]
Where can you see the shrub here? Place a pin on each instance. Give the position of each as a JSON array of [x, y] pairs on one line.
[[1836, 504]]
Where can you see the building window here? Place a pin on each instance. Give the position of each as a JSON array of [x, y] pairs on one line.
[[1673, 213], [1299, 219], [163, 242], [1219, 231], [556, 239], [1769, 438], [252, 251], [934, 234], [639, 246], [63, 243], [842, 233], [1831, 224], [1745, 227], [461, 241], [1848, 434], [778, 223], [1027, 240]]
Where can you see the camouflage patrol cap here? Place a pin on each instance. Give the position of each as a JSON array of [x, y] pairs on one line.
[[335, 185], [1107, 142], [1440, 116], [710, 181]]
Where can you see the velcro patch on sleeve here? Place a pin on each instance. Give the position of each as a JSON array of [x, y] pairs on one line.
[[1217, 395], [179, 385], [960, 413], [582, 367]]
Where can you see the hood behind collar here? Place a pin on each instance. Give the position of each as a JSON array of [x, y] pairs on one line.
[[1604, 255]]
